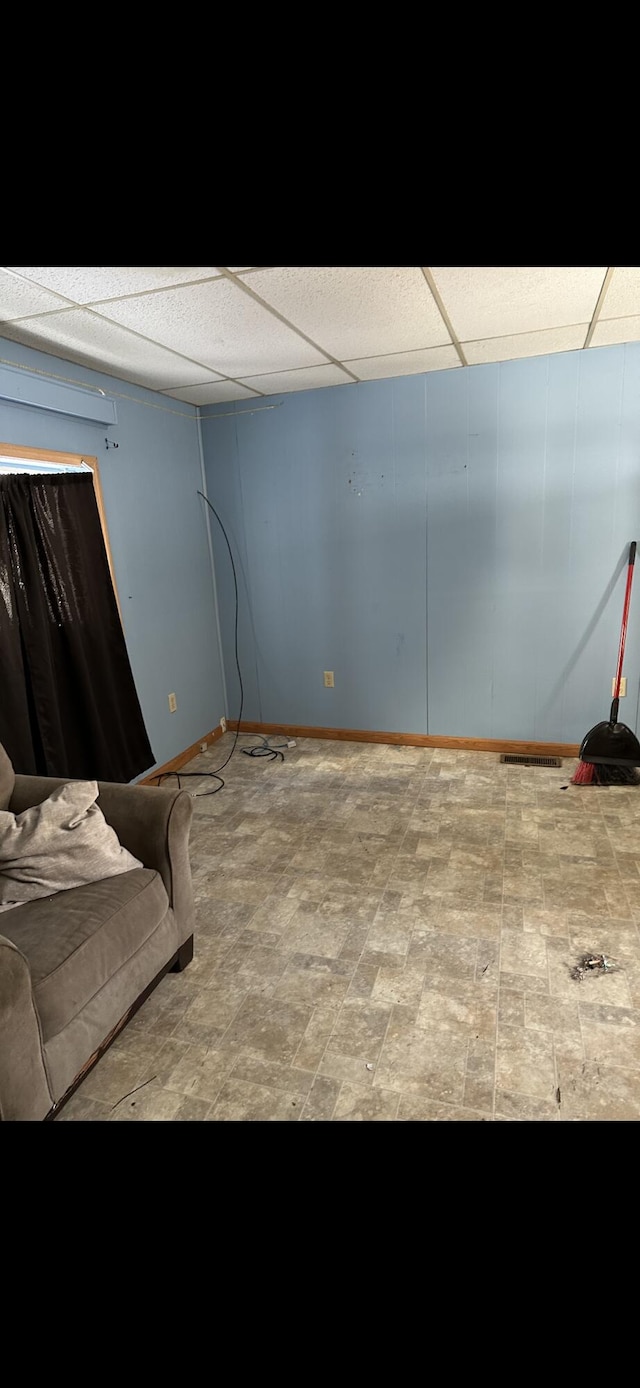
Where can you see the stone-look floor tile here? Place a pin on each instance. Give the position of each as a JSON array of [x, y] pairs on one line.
[[319, 1105], [360, 1029], [525, 1062], [537, 920], [307, 886], [274, 914], [306, 933], [516, 983], [345, 1067], [273, 1030], [160, 1014], [312, 986], [199, 1073], [443, 956], [192, 1111], [236, 958], [112, 1077], [352, 908], [242, 1102], [81, 1109], [212, 1010], [363, 981], [412, 1110], [611, 1035], [410, 882], [311, 1050], [523, 953], [613, 936], [464, 1007], [260, 962], [594, 1091], [398, 986], [568, 1045], [423, 1060], [390, 935], [169, 1054], [270, 1074], [483, 921], [526, 1108], [550, 1013], [512, 917], [357, 1104], [151, 1104], [488, 964], [511, 1007], [355, 943]]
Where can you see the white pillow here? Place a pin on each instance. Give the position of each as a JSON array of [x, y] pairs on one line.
[[65, 842]]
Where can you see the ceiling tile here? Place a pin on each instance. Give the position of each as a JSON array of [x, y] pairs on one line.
[[499, 300], [610, 330], [404, 363], [211, 394], [78, 335], [526, 344], [309, 378], [218, 324], [623, 295], [17, 298], [355, 311], [85, 283]]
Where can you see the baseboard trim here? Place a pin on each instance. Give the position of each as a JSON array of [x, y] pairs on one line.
[[181, 759], [461, 744]]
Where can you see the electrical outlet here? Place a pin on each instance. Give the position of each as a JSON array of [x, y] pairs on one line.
[[173, 703], [328, 679], [623, 687]]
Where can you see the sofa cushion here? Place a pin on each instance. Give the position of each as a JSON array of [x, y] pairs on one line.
[[75, 941], [64, 842], [7, 779]]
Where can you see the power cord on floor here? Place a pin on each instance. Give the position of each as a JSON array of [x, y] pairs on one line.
[[263, 749]]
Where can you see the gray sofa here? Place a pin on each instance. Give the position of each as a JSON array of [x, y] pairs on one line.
[[75, 966]]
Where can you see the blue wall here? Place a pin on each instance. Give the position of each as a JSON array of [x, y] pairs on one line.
[[158, 540], [451, 545]]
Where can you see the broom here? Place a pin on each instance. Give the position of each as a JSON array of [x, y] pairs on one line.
[[610, 752]]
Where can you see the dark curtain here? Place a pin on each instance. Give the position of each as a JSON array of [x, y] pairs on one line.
[[68, 703]]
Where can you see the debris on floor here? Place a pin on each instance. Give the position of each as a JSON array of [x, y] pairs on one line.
[[594, 964], [558, 1095]]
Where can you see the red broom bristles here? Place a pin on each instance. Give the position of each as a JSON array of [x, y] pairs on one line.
[[584, 774]]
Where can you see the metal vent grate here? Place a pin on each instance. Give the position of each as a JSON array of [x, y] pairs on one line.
[[512, 759]]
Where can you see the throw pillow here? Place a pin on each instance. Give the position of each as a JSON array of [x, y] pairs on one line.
[[64, 842]]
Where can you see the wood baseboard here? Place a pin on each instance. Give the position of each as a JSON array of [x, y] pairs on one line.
[[460, 744], [181, 759]]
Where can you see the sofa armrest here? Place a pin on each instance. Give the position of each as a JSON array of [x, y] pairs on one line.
[[153, 823], [24, 1087]]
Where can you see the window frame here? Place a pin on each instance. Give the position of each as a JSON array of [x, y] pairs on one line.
[[52, 455]]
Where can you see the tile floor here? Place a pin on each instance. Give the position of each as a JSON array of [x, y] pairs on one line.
[[388, 933]]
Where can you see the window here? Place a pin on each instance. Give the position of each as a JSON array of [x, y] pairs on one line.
[[53, 461]]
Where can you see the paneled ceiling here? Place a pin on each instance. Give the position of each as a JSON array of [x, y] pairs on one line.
[[209, 333]]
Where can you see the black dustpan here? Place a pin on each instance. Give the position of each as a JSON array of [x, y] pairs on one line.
[[613, 743]]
